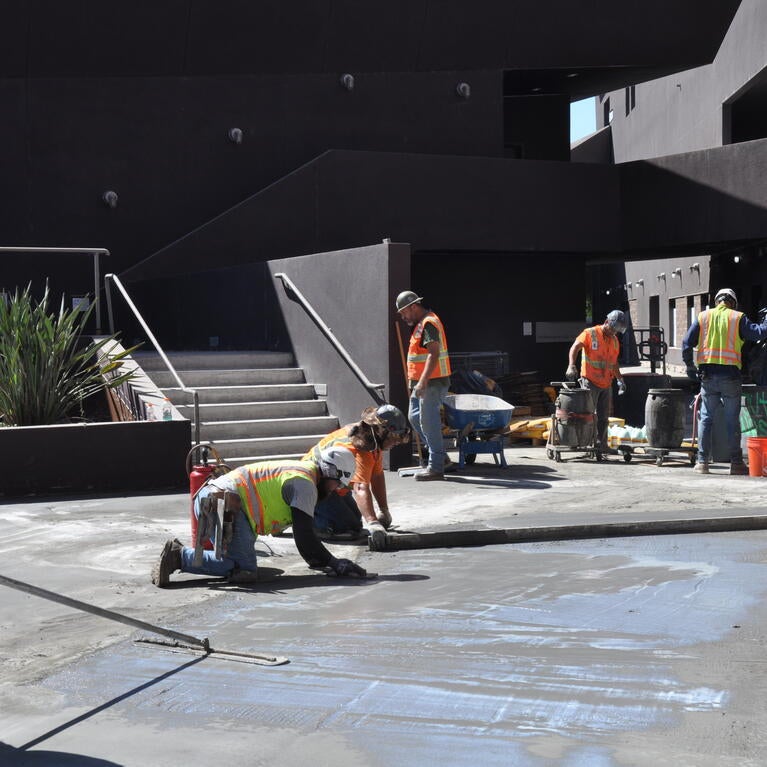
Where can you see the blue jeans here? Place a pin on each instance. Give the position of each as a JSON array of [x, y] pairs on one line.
[[240, 552], [338, 514], [720, 387], [424, 415]]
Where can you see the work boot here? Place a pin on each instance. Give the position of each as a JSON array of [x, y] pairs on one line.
[[738, 469], [243, 576], [450, 466], [427, 475], [701, 468], [169, 562]]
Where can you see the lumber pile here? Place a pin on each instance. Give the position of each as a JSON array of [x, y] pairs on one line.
[[525, 389], [529, 428]]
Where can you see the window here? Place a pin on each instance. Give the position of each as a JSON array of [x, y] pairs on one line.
[[672, 325], [607, 113], [631, 98]]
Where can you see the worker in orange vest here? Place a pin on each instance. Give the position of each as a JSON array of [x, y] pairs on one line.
[[428, 372], [719, 334], [600, 348], [342, 513]]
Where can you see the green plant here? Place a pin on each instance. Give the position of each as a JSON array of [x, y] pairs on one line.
[[47, 365]]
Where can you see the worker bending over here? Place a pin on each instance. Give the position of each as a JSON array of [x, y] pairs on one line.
[[262, 499], [343, 512], [719, 334], [599, 365]]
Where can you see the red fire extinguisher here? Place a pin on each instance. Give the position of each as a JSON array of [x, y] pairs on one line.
[[199, 474]]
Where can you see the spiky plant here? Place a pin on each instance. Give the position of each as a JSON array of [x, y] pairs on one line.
[[46, 370]]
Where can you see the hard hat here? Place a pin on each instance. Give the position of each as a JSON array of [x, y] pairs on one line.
[[405, 299], [726, 293], [616, 319], [337, 463], [388, 416]]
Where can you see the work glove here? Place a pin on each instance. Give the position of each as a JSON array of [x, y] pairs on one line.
[[692, 372], [344, 567], [377, 540], [572, 373], [621, 387], [384, 518]]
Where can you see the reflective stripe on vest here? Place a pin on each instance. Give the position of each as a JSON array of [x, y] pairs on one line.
[[259, 486], [719, 341], [599, 358], [417, 354]]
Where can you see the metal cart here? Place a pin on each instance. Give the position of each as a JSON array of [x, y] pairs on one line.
[[478, 421]]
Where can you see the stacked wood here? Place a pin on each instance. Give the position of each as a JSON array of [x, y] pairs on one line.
[[525, 389]]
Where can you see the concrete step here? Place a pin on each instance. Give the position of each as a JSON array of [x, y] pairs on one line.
[[239, 360], [250, 377], [211, 395], [250, 450], [280, 427], [249, 411]]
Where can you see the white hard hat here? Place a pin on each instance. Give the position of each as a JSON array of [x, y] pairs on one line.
[[337, 463], [726, 293]]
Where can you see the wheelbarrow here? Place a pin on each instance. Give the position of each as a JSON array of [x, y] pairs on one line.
[[478, 421]]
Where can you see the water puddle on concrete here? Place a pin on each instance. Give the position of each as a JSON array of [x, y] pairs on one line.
[[506, 648]]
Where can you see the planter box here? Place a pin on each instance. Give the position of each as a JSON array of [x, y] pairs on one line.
[[130, 456]]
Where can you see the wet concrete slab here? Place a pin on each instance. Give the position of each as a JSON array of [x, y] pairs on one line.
[[603, 652]]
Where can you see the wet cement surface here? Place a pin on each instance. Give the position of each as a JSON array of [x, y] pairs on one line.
[[591, 653]]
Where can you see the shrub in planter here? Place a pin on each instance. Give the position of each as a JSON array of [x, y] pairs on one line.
[[48, 367]]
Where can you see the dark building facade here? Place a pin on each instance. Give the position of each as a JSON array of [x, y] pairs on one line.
[[233, 134]]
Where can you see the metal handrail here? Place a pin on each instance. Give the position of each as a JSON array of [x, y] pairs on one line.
[[293, 293], [113, 278], [96, 279]]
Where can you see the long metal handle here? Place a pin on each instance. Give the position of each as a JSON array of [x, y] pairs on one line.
[[293, 293], [113, 278]]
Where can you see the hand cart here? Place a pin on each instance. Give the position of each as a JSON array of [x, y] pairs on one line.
[[479, 421]]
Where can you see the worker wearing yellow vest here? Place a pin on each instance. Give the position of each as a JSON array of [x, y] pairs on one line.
[[428, 372], [719, 334], [263, 499], [342, 512], [599, 348]]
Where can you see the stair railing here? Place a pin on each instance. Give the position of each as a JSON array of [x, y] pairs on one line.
[[294, 294], [113, 278]]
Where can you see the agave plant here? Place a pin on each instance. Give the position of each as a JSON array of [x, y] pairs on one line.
[[48, 366]]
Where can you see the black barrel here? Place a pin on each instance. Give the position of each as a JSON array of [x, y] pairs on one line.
[[575, 417], [664, 418]]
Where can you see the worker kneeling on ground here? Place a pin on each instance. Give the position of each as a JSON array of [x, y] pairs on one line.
[[262, 499], [341, 514], [599, 365]]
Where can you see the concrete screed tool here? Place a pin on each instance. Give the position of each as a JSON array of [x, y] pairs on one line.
[[180, 643]]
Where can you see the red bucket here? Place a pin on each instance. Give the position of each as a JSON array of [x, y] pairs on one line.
[[757, 456]]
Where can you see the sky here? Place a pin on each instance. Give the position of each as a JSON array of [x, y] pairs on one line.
[[582, 119]]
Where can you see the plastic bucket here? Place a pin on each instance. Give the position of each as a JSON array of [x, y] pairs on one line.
[[664, 418], [757, 456]]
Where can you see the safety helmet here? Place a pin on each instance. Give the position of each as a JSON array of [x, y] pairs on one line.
[[337, 463], [405, 299], [388, 416], [726, 293], [616, 319]]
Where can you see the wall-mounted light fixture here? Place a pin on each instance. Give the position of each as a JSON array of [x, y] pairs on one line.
[[677, 272], [639, 283], [347, 81], [736, 259], [463, 89], [110, 198], [661, 276], [235, 135], [695, 267]]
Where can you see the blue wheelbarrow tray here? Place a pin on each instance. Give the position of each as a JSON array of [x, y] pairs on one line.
[[472, 414]]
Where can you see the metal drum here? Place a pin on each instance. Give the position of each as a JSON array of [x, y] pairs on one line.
[[664, 418], [574, 417]]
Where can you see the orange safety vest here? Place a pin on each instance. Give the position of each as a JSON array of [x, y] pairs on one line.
[[365, 461], [417, 354], [719, 341], [600, 355]]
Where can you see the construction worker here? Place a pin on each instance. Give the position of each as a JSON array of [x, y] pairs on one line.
[[262, 498], [428, 372], [719, 334], [341, 513], [599, 366]]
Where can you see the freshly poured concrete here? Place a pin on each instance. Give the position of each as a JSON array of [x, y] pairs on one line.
[[624, 651]]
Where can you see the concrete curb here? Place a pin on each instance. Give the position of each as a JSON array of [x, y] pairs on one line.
[[487, 537]]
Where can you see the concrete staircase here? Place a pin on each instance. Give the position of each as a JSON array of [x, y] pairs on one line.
[[254, 406]]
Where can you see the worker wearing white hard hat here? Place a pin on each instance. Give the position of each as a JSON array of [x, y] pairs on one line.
[[599, 349], [719, 334]]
